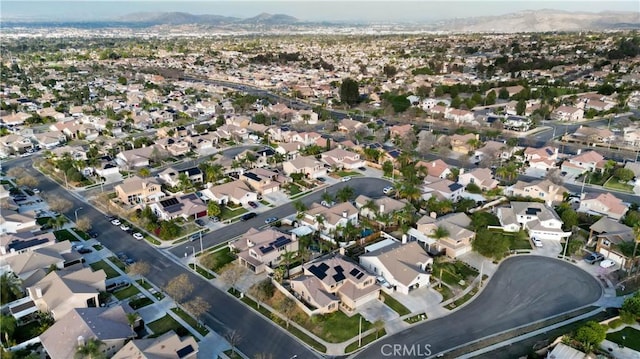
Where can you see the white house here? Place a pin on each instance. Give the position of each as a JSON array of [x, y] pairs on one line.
[[539, 220]]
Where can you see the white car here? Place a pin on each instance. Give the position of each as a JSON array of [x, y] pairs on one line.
[[537, 242], [345, 179], [138, 236], [387, 190], [115, 222], [125, 227], [35, 190], [607, 263]]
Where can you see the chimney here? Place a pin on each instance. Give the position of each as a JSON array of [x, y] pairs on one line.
[[433, 215], [341, 251], [294, 237], [38, 292], [344, 214], [404, 238], [579, 151], [433, 164], [81, 341], [382, 208]]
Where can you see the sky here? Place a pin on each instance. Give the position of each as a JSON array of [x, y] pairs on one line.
[[306, 10]]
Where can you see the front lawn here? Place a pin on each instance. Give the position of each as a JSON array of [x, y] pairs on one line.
[[108, 270], [140, 302], [126, 292], [82, 234], [228, 213], [191, 321], [166, 324], [335, 327], [203, 272], [65, 235], [348, 173], [43, 220], [454, 272], [392, 303], [293, 189], [366, 340], [144, 284], [631, 340], [218, 259], [118, 263], [460, 301], [97, 247], [613, 183]]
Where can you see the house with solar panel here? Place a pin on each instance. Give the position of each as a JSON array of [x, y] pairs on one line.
[[186, 206], [536, 218], [335, 283], [260, 250]]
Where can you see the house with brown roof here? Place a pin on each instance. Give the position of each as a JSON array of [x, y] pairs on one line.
[[50, 139], [348, 125], [342, 159], [236, 192], [567, 113], [290, 150], [134, 190], [184, 206], [459, 115], [457, 240], [264, 181], [328, 219], [583, 162], [546, 190], [15, 119], [138, 157], [603, 204], [335, 283], [373, 208], [61, 291], [400, 130], [30, 266], [442, 189], [14, 221], [108, 325], [610, 235], [306, 165], [544, 158], [482, 177], [259, 250], [405, 267], [460, 143], [436, 168], [167, 346], [15, 144]]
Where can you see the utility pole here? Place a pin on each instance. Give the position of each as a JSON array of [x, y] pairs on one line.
[[360, 333]]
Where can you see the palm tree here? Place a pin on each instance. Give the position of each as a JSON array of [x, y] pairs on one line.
[[385, 219], [440, 232], [184, 181], [58, 222], [327, 197], [91, 349], [636, 231], [132, 318], [411, 193], [474, 143], [320, 221], [372, 206], [287, 259], [300, 207], [345, 194], [405, 159]]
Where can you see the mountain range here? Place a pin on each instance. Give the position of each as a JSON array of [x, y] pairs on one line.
[[183, 18]]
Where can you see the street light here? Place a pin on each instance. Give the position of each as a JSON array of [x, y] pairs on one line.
[[194, 251], [76, 213]]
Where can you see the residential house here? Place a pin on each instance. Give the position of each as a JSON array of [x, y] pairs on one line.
[[60, 291], [459, 116], [306, 165], [494, 150], [138, 157], [49, 140], [184, 206], [373, 208], [609, 235], [171, 176], [15, 144], [592, 135], [603, 204], [30, 266], [305, 116], [15, 119], [405, 267], [15, 221], [635, 168], [544, 158], [167, 346], [290, 149], [546, 190], [482, 177], [456, 237], [108, 325], [461, 143], [259, 250], [335, 282], [567, 113], [306, 138], [236, 192], [16, 243], [539, 220], [264, 181], [583, 162], [400, 131], [134, 190], [436, 168], [442, 189], [329, 219], [342, 159], [348, 125]]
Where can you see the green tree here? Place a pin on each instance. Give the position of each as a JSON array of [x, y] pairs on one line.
[[7, 329], [262, 291], [489, 244], [491, 98], [345, 194], [591, 334], [521, 107], [9, 288], [631, 305], [349, 91], [91, 349], [387, 168], [570, 218], [213, 208], [503, 94], [623, 174]]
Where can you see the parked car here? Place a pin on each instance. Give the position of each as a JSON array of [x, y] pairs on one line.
[[92, 234], [138, 236], [271, 220], [115, 222], [84, 250], [346, 178], [214, 219], [252, 204], [125, 227], [248, 216], [35, 190], [327, 204], [537, 242], [200, 222], [362, 168], [593, 258], [387, 190], [194, 237], [607, 263]]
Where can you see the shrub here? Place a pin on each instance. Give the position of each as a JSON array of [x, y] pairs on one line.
[[615, 323]]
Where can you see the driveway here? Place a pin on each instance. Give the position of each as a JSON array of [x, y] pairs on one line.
[[376, 310], [524, 289]]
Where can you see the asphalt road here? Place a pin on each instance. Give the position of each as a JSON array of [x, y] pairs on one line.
[[258, 334], [524, 289], [371, 187]]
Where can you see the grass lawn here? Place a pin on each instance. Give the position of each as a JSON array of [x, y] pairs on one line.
[[266, 203], [158, 295], [517, 241], [201, 271], [108, 270], [460, 301], [232, 355], [613, 183], [118, 263], [454, 272], [144, 284], [294, 189], [97, 247], [335, 327], [151, 240], [365, 340], [82, 234], [192, 322], [445, 292], [416, 318], [390, 302], [164, 325], [43, 220], [632, 338], [140, 302], [348, 173], [230, 213], [65, 235], [216, 260], [126, 292], [597, 178]]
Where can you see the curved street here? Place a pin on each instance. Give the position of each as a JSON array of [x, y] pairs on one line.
[[524, 289]]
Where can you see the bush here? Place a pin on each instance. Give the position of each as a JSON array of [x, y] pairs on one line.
[[473, 188], [615, 323]]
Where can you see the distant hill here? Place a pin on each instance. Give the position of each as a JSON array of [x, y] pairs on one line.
[[542, 21], [275, 19], [182, 18]]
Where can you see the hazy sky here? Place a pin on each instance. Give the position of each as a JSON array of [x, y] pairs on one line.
[[310, 10]]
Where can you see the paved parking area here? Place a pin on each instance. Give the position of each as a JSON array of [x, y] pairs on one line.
[[376, 310], [550, 248]]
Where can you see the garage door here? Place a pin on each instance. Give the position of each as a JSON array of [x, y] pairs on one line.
[[611, 255]]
